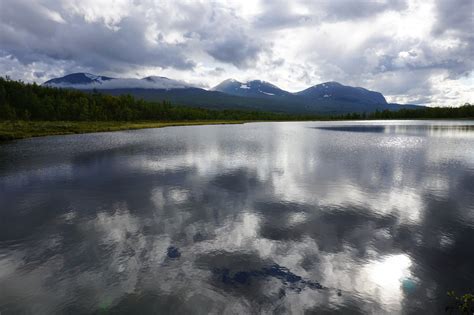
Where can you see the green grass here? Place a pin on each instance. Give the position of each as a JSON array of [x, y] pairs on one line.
[[10, 130]]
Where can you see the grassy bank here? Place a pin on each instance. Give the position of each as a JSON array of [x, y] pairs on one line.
[[10, 130]]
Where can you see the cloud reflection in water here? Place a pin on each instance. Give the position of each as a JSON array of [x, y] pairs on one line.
[[146, 220]]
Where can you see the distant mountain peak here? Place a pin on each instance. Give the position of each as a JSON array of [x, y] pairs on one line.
[[337, 92], [92, 76], [230, 80], [329, 97], [78, 78], [253, 88], [87, 81], [263, 83], [331, 83]]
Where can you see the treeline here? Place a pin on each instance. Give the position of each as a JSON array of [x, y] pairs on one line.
[[21, 101], [464, 111]]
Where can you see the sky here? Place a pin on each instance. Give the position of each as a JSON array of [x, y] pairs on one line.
[[413, 51]]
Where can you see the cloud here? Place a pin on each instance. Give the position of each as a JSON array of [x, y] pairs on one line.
[[237, 50], [286, 197], [399, 47], [30, 35], [223, 34], [393, 52], [455, 22], [280, 14], [283, 14], [454, 16], [348, 10]]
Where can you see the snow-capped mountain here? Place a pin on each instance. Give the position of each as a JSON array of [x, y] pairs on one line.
[[255, 88], [77, 79], [334, 91], [87, 81], [328, 97]]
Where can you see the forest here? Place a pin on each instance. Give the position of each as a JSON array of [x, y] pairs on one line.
[[31, 102]]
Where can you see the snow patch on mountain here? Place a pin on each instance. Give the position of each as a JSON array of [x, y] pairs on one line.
[[92, 81], [92, 76]]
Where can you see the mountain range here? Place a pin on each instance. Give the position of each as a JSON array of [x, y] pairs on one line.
[[324, 98]]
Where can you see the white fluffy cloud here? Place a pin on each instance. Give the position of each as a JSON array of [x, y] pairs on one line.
[[412, 51]]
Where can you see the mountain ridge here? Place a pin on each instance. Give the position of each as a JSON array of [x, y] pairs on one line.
[[324, 98], [338, 91], [85, 81], [256, 88]]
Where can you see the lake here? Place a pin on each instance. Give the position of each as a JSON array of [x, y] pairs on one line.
[[328, 217]]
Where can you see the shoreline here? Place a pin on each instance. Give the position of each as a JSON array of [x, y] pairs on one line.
[[16, 130]]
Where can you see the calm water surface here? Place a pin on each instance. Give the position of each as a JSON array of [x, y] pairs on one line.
[[340, 217]]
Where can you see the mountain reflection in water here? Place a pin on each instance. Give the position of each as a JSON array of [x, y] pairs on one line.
[[254, 218]]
